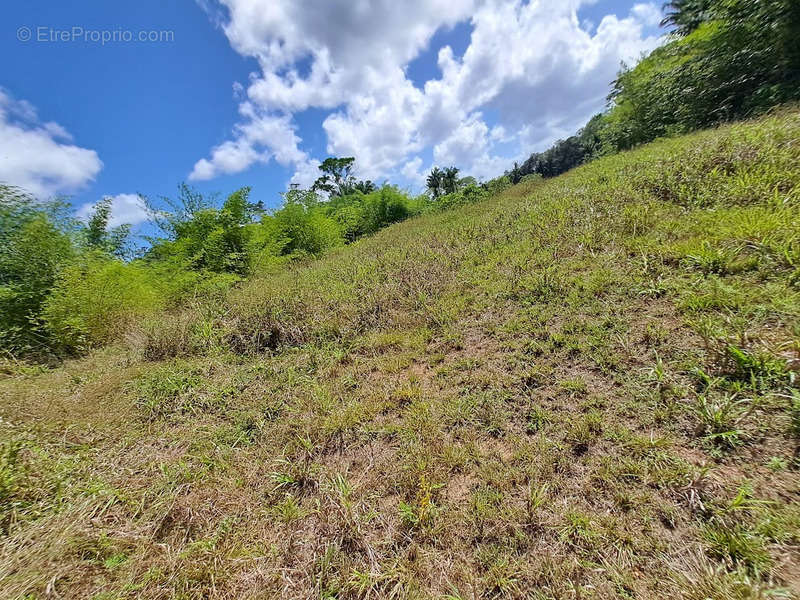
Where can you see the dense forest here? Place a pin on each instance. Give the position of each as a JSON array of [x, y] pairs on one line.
[[66, 285]]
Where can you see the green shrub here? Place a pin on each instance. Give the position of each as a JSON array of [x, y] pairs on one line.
[[468, 195], [95, 301], [350, 217], [35, 244], [360, 214], [308, 230], [386, 206]]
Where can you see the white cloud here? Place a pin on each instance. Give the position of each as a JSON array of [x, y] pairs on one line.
[[261, 137], [498, 134], [649, 14], [306, 173], [127, 209], [39, 157], [531, 65], [412, 172], [467, 142]]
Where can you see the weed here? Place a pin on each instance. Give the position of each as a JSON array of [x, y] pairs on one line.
[[289, 509], [422, 511], [758, 368], [720, 418], [582, 432], [535, 498], [167, 390], [575, 386], [703, 580], [293, 474], [537, 419], [709, 259], [13, 482], [737, 544], [579, 530], [776, 463]]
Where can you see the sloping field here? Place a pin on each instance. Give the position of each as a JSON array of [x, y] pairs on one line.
[[582, 388]]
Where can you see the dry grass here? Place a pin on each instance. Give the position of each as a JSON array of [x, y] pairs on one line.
[[582, 388]]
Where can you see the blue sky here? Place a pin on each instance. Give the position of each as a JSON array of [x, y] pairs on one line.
[[256, 92]]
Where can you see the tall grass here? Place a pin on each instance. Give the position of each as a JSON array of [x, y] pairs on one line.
[[719, 201]]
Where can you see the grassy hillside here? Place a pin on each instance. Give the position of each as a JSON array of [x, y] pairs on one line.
[[582, 388]]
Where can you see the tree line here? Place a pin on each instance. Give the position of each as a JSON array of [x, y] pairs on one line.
[[67, 285], [724, 60]]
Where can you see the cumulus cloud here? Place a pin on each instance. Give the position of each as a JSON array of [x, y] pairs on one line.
[[306, 173], [531, 65], [126, 209], [649, 14], [262, 136], [412, 173], [39, 156]]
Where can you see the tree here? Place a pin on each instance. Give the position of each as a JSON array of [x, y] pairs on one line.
[[337, 178], [434, 182], [684, 16], [591, 137], [727, 59], [443, 181], [179, 212], [450, 180], [203, 238], [740, 61], [113, 241], [365, 187]]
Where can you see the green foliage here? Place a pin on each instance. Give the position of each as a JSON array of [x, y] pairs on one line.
[[98, 235], [338, 180], [265, 244], [302, 222], [561, 157], [727, 59], [759, 368], [467, 195], [312, 226], [737, 544], [66, 287], [166, 390], [337, 177], [684, 16], [12, 481], [497, 185], [737, 58], [384, 207], [94, 301], [441, 182], [36, 241], [203, 238], [720, 419]]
